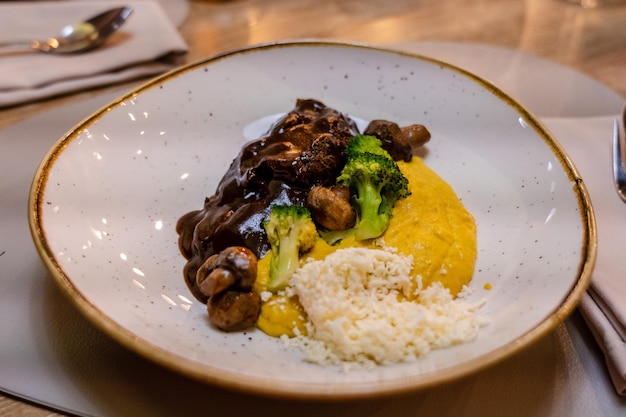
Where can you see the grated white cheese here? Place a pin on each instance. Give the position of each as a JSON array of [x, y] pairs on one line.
[[358, 313]]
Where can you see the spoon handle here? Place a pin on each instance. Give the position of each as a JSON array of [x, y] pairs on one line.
[[20, 45]]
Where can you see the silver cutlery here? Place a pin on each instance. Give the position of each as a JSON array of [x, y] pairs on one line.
[[78, 37], [619, 174]]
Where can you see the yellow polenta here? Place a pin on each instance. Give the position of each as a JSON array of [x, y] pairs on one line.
[[431, 225], [434, 227]]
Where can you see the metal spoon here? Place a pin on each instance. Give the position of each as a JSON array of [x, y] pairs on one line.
[[79, 37]]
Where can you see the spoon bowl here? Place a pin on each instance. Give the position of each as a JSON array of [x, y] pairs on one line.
[[79, 37]]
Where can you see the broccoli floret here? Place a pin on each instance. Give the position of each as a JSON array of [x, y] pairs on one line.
[[291, 233], [365, 143], [376, 183]]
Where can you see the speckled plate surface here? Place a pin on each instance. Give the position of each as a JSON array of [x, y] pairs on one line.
[[105, 200]]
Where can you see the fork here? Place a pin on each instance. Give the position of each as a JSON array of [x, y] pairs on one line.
[[618, 157]]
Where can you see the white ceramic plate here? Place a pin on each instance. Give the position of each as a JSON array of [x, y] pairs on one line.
[[106, 198]]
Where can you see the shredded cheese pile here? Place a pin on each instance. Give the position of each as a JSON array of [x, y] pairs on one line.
[[364, 307]]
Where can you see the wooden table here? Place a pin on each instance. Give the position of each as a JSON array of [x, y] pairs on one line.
[[592, 41]]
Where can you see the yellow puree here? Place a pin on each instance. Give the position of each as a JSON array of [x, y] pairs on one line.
[[431, 224]]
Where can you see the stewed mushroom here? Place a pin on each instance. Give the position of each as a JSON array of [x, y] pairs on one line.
[[398, 141], [331, 208], [227, 278]]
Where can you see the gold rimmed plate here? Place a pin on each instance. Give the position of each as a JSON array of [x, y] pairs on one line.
[[106, 198]]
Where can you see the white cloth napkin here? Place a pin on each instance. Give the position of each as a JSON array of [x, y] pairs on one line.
[[589, 145], [147, 44]]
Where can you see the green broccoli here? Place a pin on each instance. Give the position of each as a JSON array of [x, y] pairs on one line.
[[376, 183], [365, 143], [291, 233]]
